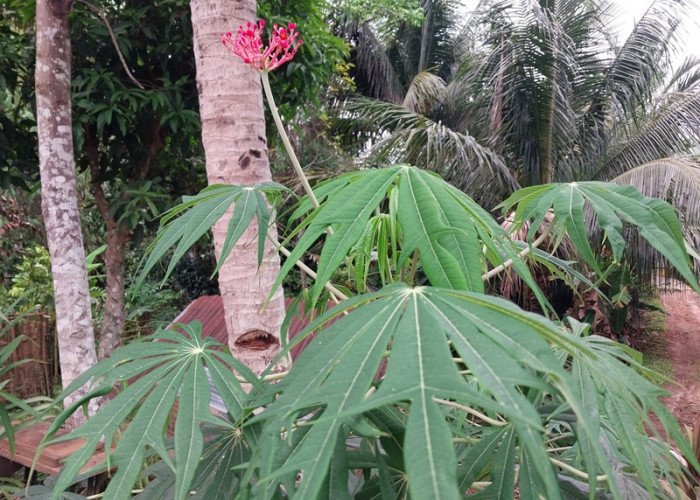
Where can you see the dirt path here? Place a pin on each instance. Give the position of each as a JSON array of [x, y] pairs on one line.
[[683, 327]]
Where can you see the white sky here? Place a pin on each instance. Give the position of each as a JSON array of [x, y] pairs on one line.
[[634, 9]]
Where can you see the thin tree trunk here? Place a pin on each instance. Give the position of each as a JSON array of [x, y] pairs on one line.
[[118, 236], [233, 136], [74, 329], [426, 35]]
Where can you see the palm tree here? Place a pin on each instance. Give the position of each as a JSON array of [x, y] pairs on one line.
[[233, 136], [402, 73], [544, 88]]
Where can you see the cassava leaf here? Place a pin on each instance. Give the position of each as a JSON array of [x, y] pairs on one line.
[[186, 223], [339, 366], [169, 366], [613, 204]]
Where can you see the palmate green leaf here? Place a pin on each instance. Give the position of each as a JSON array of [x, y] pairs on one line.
[[183, 225], [626, 395], [655, 219], [158, 373], [346, 212], [506, 350], [502, 470], [430, 223], [447, 228]]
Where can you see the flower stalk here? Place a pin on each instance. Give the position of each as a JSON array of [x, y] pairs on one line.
[[283, 44], [285, 139]]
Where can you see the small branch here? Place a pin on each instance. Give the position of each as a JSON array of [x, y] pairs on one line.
[[493, 272], [103, 16]]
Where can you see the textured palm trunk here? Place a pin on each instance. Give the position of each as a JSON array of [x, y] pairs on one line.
[[74, 330], [233, 136], [425, 35]]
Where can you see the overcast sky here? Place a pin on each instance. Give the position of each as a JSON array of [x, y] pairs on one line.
[[634, 9]]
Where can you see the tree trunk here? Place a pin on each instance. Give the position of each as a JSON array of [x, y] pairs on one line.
[[233, 136], [118, 235], [426, 35], [74, 330]]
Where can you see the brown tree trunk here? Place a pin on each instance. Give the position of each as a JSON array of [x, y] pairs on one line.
[[74, 330], [118, 236], [233, 136]]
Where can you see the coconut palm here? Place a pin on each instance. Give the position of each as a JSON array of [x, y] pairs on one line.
[[402, 71], [545, 88]]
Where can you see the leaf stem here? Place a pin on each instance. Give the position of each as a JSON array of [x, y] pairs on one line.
[[575, 471], [336, 294], [493, 272], [471, 411]]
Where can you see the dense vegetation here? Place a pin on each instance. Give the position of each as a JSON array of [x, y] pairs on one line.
[[425, 385]]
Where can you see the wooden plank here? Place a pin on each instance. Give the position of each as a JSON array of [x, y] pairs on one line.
[[52, 456]]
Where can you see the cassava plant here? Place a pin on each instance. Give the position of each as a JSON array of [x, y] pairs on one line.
[[434, 391]]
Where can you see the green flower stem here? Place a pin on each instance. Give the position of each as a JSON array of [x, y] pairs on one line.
[[285, 139]]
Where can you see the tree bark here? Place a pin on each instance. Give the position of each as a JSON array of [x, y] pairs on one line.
[[233, 136], [118, 236], [74, 329]]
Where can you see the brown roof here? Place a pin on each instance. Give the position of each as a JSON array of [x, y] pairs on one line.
[[209, 310]]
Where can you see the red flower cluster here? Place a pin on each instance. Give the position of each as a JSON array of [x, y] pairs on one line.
[[248, 45]]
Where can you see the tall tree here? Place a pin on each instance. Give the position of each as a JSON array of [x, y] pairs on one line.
[[74, 328], [545, 86], [233, 136], [135, 137]]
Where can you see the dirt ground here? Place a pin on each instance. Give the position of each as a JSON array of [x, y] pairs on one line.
[[683, 325]]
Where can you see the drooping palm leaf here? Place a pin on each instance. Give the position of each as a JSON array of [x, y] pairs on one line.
[[416, 139]]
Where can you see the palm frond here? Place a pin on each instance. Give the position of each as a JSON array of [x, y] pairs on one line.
[[631, 77], [671, 128], [401, 135], [372, 64], [425, 93]]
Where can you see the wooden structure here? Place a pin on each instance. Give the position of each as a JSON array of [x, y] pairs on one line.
[[36, 377], [52, 456]]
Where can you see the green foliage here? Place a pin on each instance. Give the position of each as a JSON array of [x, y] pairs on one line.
[[408, 11], [20, 229], [306, 78], [206, 208], [32, 284], [475, 396], [18, 152], [138, 139]]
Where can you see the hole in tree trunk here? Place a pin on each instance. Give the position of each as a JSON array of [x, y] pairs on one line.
[[256, 340]]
